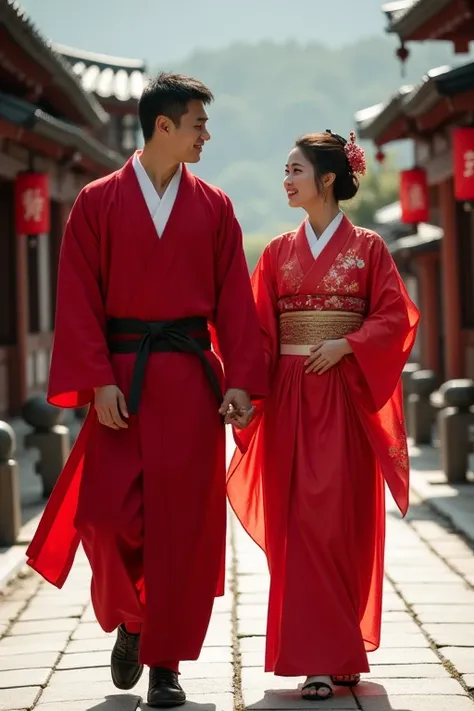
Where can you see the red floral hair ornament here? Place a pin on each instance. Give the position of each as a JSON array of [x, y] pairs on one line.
[[355, 155]]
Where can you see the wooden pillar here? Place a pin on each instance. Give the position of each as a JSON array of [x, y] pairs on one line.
[[429, 325], [453, 356]]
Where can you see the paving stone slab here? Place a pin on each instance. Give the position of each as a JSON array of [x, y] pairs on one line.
[[117, 702], [409, 687], [202, 670], [252, 659], [408, 671], [290, 698], [41, 626], [396, 616], [45, 660], [396, 655], [11, 699], [444, 613], [36, 612], [250, 628], [79, 646], [464, 565], [252, 612], [455, 548], [443, 594], [22, 644], [395, 639], [418, 703], [215, 654], [393, 603], [209, 702], [253, 584], [469, 680], [90, 630], [23, 677], [423, 575], [462, 658], [252, 644], [451, 635], [10, 609], [85, 660], [253, 598], [58, 692]]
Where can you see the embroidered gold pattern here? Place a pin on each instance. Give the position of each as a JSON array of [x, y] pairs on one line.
[[322, 302], [339, 277], [309, 327], [399, 451]]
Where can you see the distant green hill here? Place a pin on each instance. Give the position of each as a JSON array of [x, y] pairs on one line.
[[267, 94]]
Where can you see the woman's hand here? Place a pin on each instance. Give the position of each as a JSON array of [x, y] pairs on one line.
[[326, 354]]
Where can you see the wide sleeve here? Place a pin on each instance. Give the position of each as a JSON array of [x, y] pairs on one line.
[[237, 329], [80, 359], [382, 345]]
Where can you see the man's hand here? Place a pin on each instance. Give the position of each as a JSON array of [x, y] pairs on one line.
[[325, 355], [111, 407], [237, 408]]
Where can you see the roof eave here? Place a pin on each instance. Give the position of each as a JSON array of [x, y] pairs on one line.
[[23, 31], [74, 137], [416, 16]]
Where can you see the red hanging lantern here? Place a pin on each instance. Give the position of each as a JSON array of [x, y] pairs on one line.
[[403, 53], [463, 149], [32, 207], [414, 196], [380, 156]]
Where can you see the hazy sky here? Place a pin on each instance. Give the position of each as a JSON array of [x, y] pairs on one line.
[[164, 30]]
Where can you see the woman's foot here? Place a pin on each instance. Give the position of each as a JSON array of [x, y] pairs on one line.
[[317, 688], [346, 680]]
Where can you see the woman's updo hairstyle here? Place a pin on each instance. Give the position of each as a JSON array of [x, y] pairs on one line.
[[330, 153]]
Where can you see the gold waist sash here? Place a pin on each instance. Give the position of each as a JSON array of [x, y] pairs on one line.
[[301, 330]]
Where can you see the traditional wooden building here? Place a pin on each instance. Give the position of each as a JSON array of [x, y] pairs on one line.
[[117, 83], [54, 138], [439, 254]]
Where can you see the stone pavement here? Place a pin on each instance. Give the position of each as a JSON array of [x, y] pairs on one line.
[[54, 657]]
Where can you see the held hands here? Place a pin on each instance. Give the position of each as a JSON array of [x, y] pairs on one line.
[[237, 408], [111, 407], [325, 355]]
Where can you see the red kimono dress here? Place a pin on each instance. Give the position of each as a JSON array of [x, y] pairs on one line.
[[148, 503], [309, 487]]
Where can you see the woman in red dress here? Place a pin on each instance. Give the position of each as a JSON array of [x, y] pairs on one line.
[[309, 488]]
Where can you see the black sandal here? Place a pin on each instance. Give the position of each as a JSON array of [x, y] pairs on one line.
[[349, 683], [317, 684]]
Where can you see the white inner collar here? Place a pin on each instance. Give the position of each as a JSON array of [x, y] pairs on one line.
[[316, 244]]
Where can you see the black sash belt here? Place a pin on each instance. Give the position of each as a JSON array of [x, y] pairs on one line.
[[160, 337]]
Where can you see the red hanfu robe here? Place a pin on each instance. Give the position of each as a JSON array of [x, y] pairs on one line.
[[309, 487], [149, 502]]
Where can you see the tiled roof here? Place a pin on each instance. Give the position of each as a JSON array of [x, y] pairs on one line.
[[104, 75], [25, 33]]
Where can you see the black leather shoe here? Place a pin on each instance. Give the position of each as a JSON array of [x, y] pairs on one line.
[[124, 665], [164, 690]]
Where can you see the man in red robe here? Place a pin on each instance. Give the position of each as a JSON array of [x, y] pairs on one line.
[[152, 274]]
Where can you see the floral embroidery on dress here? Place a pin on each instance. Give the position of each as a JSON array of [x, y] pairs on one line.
[[292, 275], [338, 277], [399, 451]]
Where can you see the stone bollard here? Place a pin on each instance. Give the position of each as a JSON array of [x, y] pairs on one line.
[[49, 437], [420, 413], [407, 372], [454, 421], [10, 507]]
